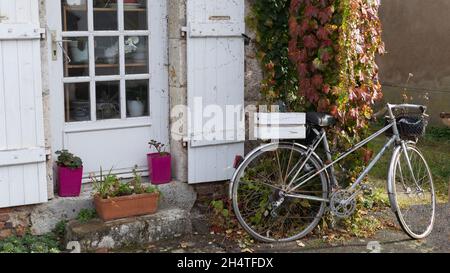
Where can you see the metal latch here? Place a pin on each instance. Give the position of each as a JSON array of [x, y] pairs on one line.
[[184, 30], [58, 43], [43, 33], [247, 39]]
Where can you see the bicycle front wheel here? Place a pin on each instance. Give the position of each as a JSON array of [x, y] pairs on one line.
[[411, 191], [258, 187]]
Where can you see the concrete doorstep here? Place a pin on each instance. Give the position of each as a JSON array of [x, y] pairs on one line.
[[44, 217], [173, 219], [129, 232]]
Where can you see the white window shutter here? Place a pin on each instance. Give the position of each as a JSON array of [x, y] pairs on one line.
[[215, 68], [22, 145]]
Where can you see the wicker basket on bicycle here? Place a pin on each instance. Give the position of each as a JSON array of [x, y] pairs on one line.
[[411, 125]]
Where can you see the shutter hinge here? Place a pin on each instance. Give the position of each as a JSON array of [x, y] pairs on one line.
[[184, 30], [186, 141], [43, 33]]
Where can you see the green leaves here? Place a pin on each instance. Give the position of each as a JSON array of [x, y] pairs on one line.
[[85, 215], [68, 160], [320, 56], [109, 186], [269, 18], [30, 244], [158, 146]]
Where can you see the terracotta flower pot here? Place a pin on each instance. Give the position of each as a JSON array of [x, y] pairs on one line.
[[126, 206]]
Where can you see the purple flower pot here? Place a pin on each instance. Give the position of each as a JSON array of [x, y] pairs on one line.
[[69, 181], [159, 168]]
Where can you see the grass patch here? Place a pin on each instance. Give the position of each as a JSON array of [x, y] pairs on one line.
[[436, 148], [48, 243], [85, 215]]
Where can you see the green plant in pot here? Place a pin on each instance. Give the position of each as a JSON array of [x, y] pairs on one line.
[[70, 173], [115, 199]]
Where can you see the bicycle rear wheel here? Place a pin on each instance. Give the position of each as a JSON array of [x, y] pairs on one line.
[[258, 188], [411, 192]]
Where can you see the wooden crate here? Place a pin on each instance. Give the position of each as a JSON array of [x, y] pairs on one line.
[[280, 126]]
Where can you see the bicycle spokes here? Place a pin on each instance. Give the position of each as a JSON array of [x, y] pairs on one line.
[[262, 204], [414, 193]]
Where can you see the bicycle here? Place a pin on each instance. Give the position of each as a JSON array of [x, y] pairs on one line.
[[281, 190]]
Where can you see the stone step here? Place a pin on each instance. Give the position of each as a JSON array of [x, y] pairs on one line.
[[44, 217], [129, 232]]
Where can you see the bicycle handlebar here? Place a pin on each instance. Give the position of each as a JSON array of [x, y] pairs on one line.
[[422, 108], [391, 107]]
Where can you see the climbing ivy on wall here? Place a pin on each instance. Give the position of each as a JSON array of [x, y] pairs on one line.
[[319, 55], [269, 18]]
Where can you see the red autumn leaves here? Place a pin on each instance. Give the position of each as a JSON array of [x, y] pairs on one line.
[[335, 64], [311, 48]]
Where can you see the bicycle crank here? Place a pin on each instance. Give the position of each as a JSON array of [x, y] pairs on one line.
[[342, 204]]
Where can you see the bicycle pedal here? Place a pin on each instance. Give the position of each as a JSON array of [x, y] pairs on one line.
[[367, 190]]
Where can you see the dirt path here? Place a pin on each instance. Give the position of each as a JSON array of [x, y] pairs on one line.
[[387, 241]]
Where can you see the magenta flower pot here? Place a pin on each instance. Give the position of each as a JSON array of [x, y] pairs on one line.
[[159, 168], [69, 181]]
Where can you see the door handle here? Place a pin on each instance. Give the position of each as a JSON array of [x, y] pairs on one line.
[[58, 43]]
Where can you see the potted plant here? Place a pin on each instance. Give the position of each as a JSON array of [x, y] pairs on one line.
[[159, 164], [114, 199], [70, 174]]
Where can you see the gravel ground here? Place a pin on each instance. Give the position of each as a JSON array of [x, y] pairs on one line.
[[391, 240]]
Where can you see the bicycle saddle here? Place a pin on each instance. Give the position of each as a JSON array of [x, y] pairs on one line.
[[320, 119]]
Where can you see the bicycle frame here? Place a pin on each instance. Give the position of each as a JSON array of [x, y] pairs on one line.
[[329, 167]]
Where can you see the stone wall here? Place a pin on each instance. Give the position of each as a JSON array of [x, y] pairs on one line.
[[253, 71], [417, 40], [177, 83], [46, 98], [14, 221]]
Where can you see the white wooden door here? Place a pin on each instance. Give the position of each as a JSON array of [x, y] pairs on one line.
[[22, 145], [215, 87], [109, 90]]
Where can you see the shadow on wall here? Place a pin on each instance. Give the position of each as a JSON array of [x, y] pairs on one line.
[[416, 34]]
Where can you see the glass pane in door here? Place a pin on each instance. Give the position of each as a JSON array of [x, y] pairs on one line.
[[105, 15], [77, 102], [106, 56], [76, 61], [108, 100], [136, 54], [137, 98], [74, 15], [135, 15]]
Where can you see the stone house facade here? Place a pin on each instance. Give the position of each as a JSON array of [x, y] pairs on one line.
[[167, 77], [66, 76]]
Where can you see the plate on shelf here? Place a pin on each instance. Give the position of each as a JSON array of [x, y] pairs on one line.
[[128, 6]]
